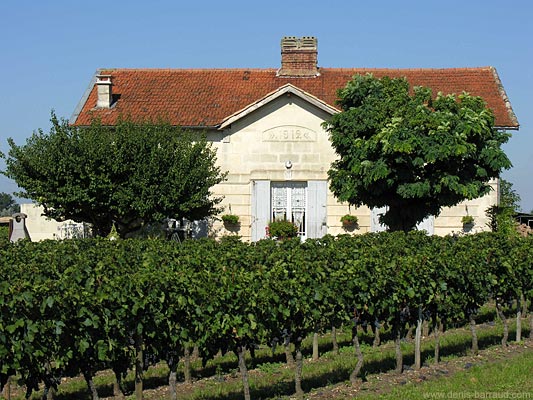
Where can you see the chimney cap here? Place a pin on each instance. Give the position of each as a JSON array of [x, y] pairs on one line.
[[103, 79], [304, 42]]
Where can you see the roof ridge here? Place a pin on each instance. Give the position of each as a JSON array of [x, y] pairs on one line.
[[189, 69], [409, 69], [487, 67]]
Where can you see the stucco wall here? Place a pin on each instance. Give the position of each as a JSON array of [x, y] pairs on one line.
[[289, 128], [41, 228]]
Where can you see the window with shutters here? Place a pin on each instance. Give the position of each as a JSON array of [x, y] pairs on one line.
[[289, 202]]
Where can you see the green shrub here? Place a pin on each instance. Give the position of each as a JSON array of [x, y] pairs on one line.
[[282, 229], [4, 235]]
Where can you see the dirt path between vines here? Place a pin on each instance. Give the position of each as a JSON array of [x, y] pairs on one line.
[[378, 383]]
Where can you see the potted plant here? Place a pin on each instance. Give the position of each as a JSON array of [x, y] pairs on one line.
[[349, 221], [467, 220], [282, 229], [230, 219]]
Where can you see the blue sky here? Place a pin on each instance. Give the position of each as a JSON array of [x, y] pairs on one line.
[[50, 49]]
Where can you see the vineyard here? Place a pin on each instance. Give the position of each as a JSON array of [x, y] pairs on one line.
[[77, 307]]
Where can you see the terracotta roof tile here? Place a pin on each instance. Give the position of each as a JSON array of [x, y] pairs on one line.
[[205, 97]]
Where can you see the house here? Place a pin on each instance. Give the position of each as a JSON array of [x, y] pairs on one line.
[[42, 228], [266, 125]]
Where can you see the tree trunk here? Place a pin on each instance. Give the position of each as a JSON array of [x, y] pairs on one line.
[[398, 349], [355, 339], [334, 340], [409, 334], [48, 393], [315, 346], [377, 339], [90, 384], [519, 319], [530, 325], [118, 388], [187, 364], [241, 351], [173, 379], [195, 352], [139, 366], [499, 310], [288, 354], [298, 370], [475, 346], [418, 341], [425, 329], [437, 330], [7, 389]]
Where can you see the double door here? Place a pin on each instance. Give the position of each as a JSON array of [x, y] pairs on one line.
[[302, 203]]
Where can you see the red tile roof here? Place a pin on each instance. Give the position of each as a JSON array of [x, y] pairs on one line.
[[196, 98]]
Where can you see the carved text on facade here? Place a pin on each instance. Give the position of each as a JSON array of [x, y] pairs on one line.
[[289, 133]]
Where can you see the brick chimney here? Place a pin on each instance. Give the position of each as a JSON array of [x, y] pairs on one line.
[[105, 93], [299, 57]]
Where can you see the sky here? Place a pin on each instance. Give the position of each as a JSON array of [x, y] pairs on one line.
[[49, 50]]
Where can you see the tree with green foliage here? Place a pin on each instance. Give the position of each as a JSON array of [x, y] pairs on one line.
[[8, 206], [400, 147], [509, 196], [501, 216], [132, 174]]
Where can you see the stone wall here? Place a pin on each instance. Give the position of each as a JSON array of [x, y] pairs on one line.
[[259, 146]]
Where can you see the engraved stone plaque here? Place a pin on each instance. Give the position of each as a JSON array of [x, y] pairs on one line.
[[289, 133]]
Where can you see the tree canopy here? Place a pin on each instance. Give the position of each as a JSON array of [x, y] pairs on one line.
[[131, 174], [8, 206], [501, 216], [400, 147], [509, 197]]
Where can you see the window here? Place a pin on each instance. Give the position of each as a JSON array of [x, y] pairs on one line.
[[289, 202]]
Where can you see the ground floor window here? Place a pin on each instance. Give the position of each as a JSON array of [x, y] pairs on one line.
[[289, 202], [303, 203]]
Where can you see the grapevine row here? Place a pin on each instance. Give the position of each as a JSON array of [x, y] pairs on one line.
[[79, 306]]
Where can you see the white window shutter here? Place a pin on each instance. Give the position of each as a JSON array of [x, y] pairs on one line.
[[317, 194], [260, 209], [427, 225], [375, 225]]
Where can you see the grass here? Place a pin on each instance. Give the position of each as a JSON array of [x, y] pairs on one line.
[[270, 378], [508, 378]]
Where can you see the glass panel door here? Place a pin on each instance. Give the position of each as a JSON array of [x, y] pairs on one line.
[[289, 202]]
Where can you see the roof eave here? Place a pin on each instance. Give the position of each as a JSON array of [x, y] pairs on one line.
[[83, 100], [503, 94]]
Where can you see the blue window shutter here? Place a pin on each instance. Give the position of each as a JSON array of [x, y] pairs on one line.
[[317, 196], [260, 209]]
